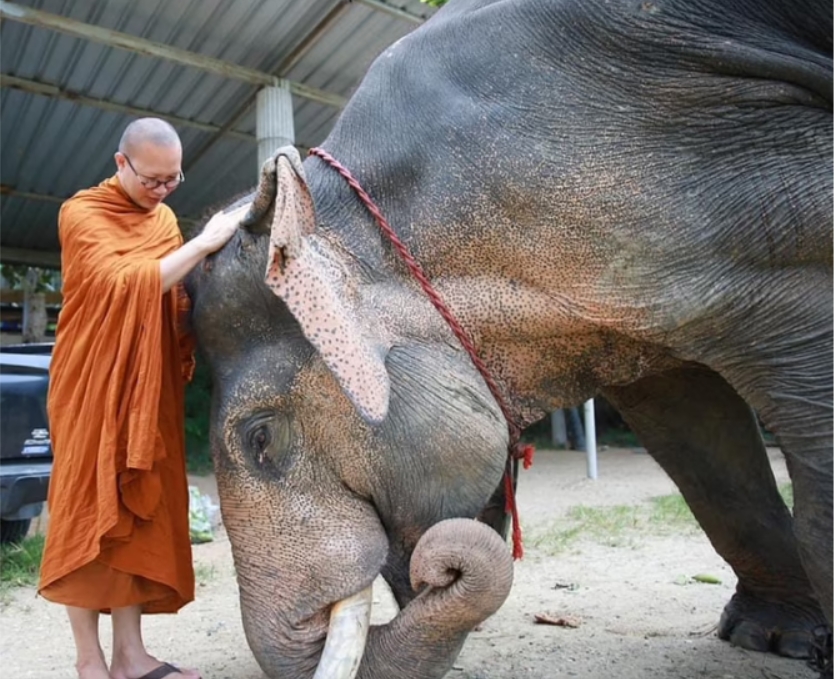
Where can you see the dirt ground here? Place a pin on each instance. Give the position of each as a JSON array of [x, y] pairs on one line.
[[637, 617]]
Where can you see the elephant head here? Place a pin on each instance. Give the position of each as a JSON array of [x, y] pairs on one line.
[[342, 431]]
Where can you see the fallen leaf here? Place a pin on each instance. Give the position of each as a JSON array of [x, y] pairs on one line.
[[559, 621], [707, 578]]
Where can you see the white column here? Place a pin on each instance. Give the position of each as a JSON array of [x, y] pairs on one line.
[[273, 121], [591, 439]]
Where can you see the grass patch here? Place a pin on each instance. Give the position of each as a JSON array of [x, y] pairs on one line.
[[204, 574], [616, 526], [671, 511], [621, 525], [20, 565]]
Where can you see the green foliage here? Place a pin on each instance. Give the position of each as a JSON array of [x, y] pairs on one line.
[[20, 564], [539, 433], [434, 3], [198, 407], [17, 276]]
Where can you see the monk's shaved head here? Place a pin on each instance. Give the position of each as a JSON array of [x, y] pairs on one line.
[[149, 162], [152, 131]]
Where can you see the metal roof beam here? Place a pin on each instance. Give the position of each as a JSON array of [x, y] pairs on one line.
[[41, 258], [34, 17], [308, 41], [289, 61], [48, 90], [7, 190], [396, 12]]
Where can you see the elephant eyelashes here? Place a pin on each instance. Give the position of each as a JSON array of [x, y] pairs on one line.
[[266, 438]]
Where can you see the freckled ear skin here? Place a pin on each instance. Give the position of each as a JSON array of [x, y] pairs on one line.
[[265, 196], [314, 289]]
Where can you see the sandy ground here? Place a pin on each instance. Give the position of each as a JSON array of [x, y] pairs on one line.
[[637, 619]]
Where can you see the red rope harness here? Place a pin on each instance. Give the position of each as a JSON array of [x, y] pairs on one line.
[[516, 450]]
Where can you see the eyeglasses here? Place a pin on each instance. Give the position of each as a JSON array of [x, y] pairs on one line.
[[149, 183]]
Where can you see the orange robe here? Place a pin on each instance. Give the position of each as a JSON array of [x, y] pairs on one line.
[[118, 497]]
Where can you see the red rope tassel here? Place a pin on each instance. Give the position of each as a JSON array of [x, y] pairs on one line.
[[524, 452], [510, 508]]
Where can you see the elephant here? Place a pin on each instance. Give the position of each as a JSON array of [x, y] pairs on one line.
[[626, 198]]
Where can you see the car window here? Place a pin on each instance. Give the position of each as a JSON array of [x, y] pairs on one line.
[[22, 416]]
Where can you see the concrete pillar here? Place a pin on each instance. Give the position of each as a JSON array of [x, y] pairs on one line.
[[273, 121]]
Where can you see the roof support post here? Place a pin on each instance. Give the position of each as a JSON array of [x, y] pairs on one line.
[[273, 121]]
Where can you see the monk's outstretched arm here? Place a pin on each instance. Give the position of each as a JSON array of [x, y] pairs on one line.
[[218, 230]]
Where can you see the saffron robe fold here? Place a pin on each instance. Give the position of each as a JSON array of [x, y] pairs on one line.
[[118, 529]]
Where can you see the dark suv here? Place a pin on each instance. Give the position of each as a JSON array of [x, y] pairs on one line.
[[25, 447]]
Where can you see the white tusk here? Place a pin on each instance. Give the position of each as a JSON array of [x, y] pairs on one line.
[[347, 633]]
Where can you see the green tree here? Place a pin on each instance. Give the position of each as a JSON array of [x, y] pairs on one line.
[[35, 283], [17, 277], [198, 407]]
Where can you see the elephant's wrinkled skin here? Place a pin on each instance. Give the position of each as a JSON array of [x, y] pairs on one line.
[[619, 197]]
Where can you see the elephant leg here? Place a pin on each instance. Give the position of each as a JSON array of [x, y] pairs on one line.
[[803, 426], [707, 439], [793, 395]]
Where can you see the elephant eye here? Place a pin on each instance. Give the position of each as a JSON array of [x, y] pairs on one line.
[[258, 441], [267, 439]]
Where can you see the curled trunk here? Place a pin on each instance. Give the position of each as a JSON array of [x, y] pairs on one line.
[[464, 572]]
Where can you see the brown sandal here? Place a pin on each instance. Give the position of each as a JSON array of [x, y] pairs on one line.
[[164, 670]]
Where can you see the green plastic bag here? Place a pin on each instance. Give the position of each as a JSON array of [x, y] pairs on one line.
[[199, 516]]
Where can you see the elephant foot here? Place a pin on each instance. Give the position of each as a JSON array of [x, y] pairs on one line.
[[821, 657], [787, 629]]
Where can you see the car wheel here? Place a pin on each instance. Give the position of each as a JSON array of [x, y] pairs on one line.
[[13, 531]]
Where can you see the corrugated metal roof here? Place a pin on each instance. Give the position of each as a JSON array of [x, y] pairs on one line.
[[52, 147]]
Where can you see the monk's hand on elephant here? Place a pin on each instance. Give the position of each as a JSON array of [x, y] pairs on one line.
[[220, 228]]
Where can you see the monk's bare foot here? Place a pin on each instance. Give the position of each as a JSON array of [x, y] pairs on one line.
[[149, 666], [92, 670]]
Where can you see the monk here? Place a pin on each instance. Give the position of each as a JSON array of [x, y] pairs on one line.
[[118, 536]]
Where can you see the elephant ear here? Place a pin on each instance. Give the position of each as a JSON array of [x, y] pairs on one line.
[[313, 288]]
